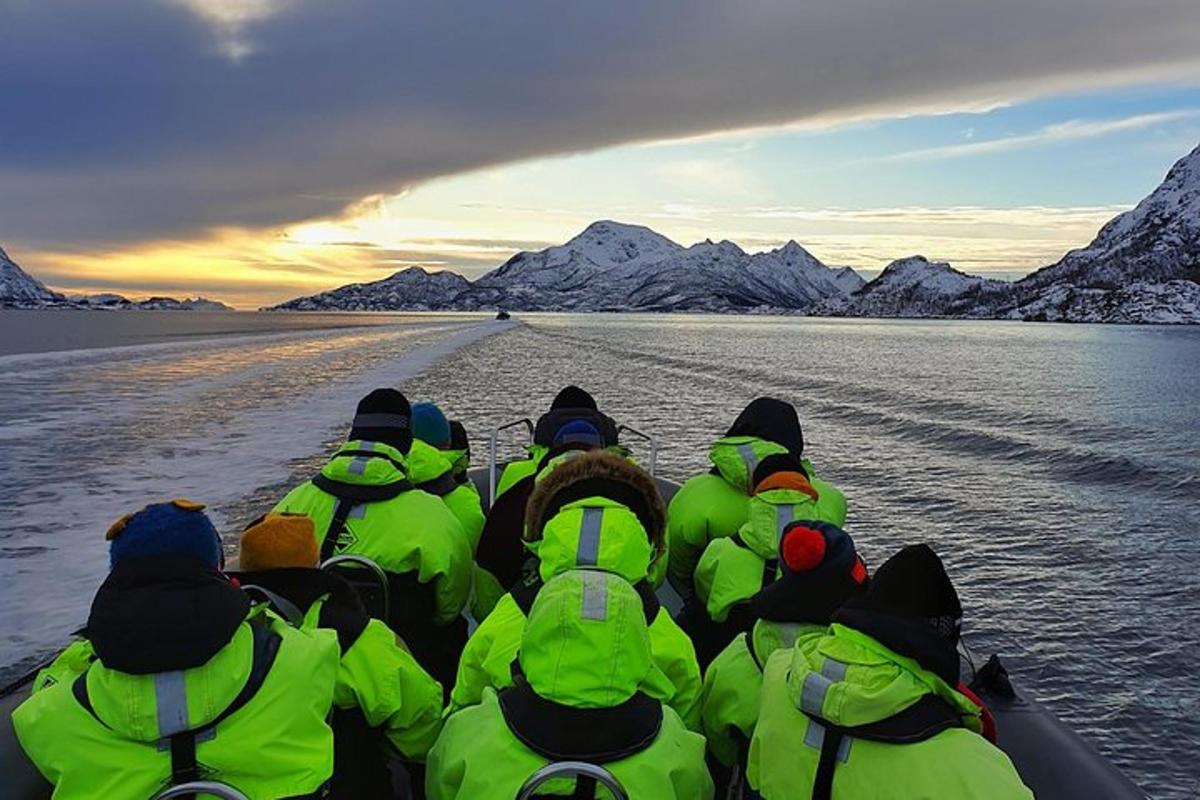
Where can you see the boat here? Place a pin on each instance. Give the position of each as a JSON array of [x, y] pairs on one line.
[[1052, 759]]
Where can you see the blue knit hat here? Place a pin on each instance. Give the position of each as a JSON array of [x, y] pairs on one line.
[[578, 431], [176, 528], [430, 425]]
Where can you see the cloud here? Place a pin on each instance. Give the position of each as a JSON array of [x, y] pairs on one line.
[[1068, 131], [136, 120], [708, 175]]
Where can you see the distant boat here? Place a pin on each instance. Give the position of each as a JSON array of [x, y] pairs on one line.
[[502, 314]]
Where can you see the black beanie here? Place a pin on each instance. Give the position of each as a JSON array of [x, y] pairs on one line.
[[912, 589], [773, 420], [384, 416], [913, 583], [573, 397], [774, 464]]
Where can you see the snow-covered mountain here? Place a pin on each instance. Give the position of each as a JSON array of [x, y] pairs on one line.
[[610, 266], [603, 248], [1143, 267], [918, 287], [19, 289], [172, 304], [1140, 302], [410, 289], [1157, 241]]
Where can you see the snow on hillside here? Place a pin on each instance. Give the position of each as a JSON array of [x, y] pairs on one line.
[[918, 287], [172, 304], [1170, 303], [19, 289], [598, 248], [1157, 241], [610, 266], [413, 288]]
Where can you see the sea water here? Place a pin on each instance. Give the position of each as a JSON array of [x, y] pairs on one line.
[[1055, 468]]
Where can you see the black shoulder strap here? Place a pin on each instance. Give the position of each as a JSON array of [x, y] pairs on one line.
[[184, 766], [525, 592], [770, 569], [650, 604], [823, 782], [348, 496], [278, 603], [337, 524], [440, 486], [923, 720]]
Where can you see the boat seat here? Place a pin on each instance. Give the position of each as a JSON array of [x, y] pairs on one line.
[[582, 771], [221, 791]]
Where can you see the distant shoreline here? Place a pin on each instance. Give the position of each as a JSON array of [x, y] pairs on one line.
[[34, 332]]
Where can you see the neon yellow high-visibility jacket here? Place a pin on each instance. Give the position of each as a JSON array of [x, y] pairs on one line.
[[733, 681], [377, 674], [432, 470], [406, 530], [595, 532], [460, 463], [516, 470], [103, 733], [711, 506], [731, 569], [849, 680], [584, 659]]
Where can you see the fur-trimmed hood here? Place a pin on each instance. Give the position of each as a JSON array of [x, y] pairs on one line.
[[598, 474]]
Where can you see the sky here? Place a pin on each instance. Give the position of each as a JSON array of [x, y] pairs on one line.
[[256, 150]]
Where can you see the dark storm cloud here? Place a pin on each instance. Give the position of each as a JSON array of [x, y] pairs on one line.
[[127, 119]]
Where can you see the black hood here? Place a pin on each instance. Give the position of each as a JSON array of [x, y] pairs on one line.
[[163, 613], [912, 608], [805, 598], [773, 420], [549, 423], [573, 397]]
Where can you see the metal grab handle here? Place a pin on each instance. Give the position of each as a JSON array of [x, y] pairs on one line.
[[220, 790], [363, 561], [492, 447], [572, 769], [645, 437]]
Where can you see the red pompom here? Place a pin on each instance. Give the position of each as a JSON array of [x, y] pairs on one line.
[[803, 549]]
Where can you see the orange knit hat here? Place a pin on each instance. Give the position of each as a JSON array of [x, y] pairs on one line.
[[275, 541]]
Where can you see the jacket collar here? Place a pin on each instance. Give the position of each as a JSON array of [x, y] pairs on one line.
[[163, 613]]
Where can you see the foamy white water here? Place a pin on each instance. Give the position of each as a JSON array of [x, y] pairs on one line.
[[88, 435]]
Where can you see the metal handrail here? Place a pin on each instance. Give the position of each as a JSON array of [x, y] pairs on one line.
[[366, 563], [220, 790], [572, 769], [645, 437], [493, 445]]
